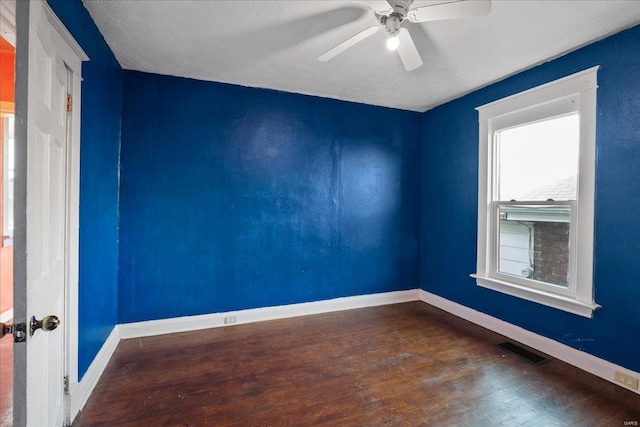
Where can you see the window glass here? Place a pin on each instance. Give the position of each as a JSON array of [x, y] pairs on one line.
[[539, 161], [533, 242]]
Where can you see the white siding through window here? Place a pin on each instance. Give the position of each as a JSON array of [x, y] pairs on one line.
[[515, 253]]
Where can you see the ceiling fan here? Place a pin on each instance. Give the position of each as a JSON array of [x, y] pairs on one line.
[[390, 14]]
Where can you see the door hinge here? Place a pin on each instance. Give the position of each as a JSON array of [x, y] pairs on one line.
[[66, 384], [69, 103]]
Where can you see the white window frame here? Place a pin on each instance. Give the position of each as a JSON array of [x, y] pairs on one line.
[[574, 93]]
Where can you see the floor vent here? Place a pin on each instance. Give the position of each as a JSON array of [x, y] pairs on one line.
[[525, 354]]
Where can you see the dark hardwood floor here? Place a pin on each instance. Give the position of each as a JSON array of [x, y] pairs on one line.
[[397, 365]]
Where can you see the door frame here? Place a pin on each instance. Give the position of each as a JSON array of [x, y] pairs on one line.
[[73, 57]]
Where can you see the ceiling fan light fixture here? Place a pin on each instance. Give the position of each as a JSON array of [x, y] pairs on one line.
[[393, 42]]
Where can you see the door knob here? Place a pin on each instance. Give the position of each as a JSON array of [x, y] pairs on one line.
[[48, 323], [5, 329], [19, 331]]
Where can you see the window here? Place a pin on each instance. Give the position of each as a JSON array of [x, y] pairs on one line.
[[536, 194]]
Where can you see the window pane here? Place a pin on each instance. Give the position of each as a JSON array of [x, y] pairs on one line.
[[533, 242], [539, 161]]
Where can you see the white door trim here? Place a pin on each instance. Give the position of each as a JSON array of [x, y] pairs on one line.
[[79, 55]]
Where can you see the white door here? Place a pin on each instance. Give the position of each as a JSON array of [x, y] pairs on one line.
[[46, 218]]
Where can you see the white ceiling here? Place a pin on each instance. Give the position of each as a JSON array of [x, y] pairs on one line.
[[274, 44]]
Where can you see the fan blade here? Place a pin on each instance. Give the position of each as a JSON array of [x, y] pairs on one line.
[[408, 51], [348, 43], [381, 7], [454, 10]]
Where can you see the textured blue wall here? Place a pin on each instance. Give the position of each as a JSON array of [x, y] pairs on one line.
[[449, 204], [100, 139], [235, 198]]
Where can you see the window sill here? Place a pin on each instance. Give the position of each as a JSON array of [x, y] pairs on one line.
[[571, 305]]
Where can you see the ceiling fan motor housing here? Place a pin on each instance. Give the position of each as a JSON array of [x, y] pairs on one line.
[[400, 8], [392, 22]]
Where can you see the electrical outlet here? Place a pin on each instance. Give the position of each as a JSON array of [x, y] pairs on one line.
[[229, 320], [628, 380]]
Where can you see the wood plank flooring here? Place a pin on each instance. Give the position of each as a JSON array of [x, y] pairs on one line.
[[398, 365]]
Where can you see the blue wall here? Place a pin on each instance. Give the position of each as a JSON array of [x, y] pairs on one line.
[[235, 198], [449, 204], [100, 136]]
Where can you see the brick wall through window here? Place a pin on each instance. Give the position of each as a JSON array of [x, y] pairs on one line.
[[551, 252]]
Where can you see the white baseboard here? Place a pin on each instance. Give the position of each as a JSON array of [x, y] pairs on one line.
[[80, 391], [215, 320], [6, 316], [587, 362]]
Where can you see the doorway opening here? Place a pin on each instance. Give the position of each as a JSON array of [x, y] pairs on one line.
[[7, 174]]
